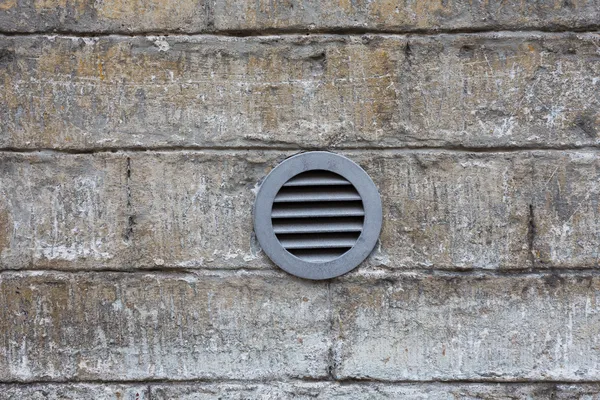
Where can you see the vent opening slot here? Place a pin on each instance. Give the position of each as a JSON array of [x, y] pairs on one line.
[[317, 225], [316, 178], [318, 255], [317, 216], [326, 209], [318, 241], [316, 193]]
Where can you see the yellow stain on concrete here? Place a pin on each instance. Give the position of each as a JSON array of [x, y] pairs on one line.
[[7, 4], [75, 5], [6, 227], [155, 11]]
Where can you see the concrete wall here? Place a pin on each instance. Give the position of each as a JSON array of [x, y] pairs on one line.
[[133, 137]]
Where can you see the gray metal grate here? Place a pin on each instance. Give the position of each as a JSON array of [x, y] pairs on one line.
[[317, 216]]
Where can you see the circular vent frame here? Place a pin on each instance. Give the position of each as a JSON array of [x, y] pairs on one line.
[[317, 215]]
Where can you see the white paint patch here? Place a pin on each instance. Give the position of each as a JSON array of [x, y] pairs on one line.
[[20, 364], [255, 189], [188, 278], [117, 305], [191, 263], [90, 41], [554, 116], [249, 257], [379, 256], [160, 42], [70, 253], [230, 255]]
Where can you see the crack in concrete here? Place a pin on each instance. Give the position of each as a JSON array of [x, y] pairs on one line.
[[346, 381], [267, 148], [333, 31]]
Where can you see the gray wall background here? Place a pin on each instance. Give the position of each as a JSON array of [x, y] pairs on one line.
[[133, 137]]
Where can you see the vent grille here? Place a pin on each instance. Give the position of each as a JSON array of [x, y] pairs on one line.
[[317, 216]]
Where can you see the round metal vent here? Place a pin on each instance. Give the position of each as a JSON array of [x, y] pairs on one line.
[[317, 215]]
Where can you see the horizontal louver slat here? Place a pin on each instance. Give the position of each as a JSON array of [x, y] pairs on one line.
[[314, 194], [299, 210], [318, 241], [318, 255], [317, 225], [317, 178]]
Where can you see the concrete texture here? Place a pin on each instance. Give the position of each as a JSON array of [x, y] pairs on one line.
[[301, 391], [265, 325], [405, 15], [440, 208], [453, 327], [124, 327], [192, 209], [76, 391], [567, 209], [63, 211], [103, 16], [367, 390], [293, 15], [135, 134], [330, 91]]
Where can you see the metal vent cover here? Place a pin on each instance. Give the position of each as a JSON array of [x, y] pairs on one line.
[[317, 215]]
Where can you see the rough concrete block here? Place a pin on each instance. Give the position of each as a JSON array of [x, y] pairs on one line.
[[567, 209], [451, 210], [453, 327], [194, 209], [106, 16], [135, 326], [299, 391], [63, 211], [324, 91], [441, 209], [405, 15], [372, 390], [292, 15], [73, 391]]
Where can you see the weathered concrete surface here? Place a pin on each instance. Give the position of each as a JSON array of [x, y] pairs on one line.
[[103, 16], [193, 209], [567, 209], [123, 327], [119, 326], [299, 391], [453, 327], [260, 16], [441, 209], [346, 391], [484, 146], [63, 211], [477, 90], [406, 15], [451, 209], [73, 391]]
